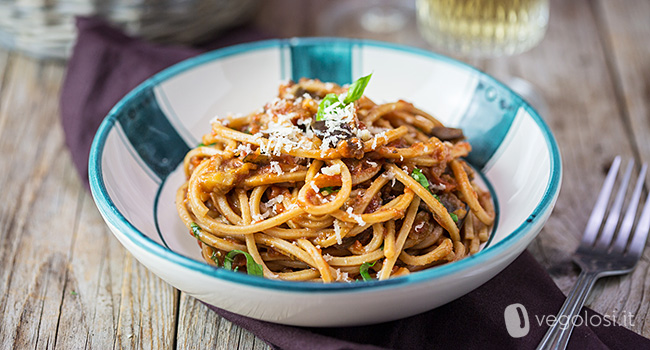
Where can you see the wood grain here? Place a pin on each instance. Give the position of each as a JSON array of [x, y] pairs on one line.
[[66, 282], [625, 32], [201, 328]]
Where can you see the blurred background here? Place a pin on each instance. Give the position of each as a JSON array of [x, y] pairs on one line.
[[46, 28]]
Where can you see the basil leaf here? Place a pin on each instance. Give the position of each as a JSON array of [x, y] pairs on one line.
[[363, 270], [327, 101], [196, 230], [454, 217], [419, 177], [253, 268], [356, 89]]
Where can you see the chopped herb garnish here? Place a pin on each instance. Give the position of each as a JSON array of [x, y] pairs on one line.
[[326, 191], [355, 91], [204, 145], [214, 257], [72, 292], [437, 197], [252, 267], [419, 177], [363, 270], [454, 217], [196, 230]]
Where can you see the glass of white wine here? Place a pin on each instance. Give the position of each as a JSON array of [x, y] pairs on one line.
[[483, 28], [487, 29]]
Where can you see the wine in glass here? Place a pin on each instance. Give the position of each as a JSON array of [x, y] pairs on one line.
[[483, 28], [486, 29]]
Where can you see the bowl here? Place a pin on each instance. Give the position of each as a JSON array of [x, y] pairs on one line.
[[134, 170]]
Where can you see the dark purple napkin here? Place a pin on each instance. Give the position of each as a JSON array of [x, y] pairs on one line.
[[106, 64]]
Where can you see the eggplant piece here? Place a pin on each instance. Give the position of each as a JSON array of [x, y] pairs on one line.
[[444, 133], [321, 130]]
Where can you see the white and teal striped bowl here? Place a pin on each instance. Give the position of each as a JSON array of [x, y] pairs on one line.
[[135, 157]]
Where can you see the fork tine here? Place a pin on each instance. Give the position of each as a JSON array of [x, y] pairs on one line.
[[630, 214], [641, 232], [598, 213], [605, 238]]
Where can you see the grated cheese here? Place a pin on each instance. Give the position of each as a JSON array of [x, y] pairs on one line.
[[275, 200], [338, 121], [437, 187], [356, 217], [331, 170], [275, 167], [342, 276], [282, 135], [364, 135], [337, 232], [244, 149]]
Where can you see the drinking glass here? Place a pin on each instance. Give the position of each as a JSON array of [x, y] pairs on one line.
[[486, 29], [483, 28]]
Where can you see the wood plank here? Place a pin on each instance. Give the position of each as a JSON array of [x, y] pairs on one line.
[[64, 279], [122, 304], [201, 328], [36, 232], [570, 69], [625, 28], [625, 31]]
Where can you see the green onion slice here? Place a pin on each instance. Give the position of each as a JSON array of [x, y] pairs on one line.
[[363, 270], [196, 230], [419, 177]]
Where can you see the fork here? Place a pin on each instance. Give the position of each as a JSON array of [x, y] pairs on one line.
[[607, 254]]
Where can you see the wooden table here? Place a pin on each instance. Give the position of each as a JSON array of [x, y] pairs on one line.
[[66, 282]]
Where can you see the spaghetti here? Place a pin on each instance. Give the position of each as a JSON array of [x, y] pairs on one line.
[[323, 184]]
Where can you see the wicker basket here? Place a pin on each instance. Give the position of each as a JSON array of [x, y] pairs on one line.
[[45, 28]]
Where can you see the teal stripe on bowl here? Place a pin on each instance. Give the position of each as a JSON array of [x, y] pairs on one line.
[[151, 134], [328, 61], [488, 118]]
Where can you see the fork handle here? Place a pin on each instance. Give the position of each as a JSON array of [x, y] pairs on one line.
[[557, 336]]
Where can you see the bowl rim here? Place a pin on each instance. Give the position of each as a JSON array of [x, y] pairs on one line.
[[113, 216]]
